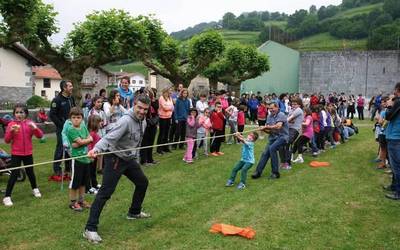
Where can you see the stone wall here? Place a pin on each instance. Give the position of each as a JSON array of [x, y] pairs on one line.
[[352, 72], [15, 94]]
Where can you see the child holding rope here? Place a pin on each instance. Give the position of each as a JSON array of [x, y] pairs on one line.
[[79, 138], [246, 162], [191, 134], [94, 126], [19, 133]]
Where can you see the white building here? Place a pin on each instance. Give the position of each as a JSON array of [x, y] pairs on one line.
[[16, 79], [47, 82], [136, 82]]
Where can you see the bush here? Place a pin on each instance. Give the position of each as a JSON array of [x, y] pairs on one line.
[[37, 101]]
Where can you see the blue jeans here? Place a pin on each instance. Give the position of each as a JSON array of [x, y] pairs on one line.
[[271, 151], [393, 147]]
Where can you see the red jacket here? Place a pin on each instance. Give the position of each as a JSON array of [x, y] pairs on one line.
[[217, 120], [21, 141], [314, 100]]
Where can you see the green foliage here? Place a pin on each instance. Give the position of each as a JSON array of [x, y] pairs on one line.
[[191, 31], [326, 12], [37, 101], [239, 63], [229, 21], [251, 24], [385, 37], [392, 7], [298, 17]]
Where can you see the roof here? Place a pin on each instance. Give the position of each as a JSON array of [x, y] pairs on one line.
[[46, 72], [24, 52]]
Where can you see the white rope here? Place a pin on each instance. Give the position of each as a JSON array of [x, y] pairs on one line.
[[117, 151]]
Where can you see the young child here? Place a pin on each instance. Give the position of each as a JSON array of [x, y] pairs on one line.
[[241, 119], [78, 138], [308, 133], [42, 117], [246, 162], [232, 114], [94, 126], [97, 104], [19, 133], [204, 130], [217, 121], [191, 134]]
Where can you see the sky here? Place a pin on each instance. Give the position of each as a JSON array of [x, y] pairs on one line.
[[174, 14]]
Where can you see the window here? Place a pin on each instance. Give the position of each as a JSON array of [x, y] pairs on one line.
[[95, 80], [43, 93], [133, 81], [96, 72], [46, 83], [87, 80], [384, 70], [140, 82]]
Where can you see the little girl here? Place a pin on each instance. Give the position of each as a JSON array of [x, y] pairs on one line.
[[97, 104], [262, 116], [191, 133], [204, 130], [93, 126], [19, 133], [232, 115], [241, 118], [42, 117]]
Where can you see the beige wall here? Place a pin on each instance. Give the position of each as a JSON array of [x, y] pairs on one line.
[[50, 92], [90, 76], [14, 70]]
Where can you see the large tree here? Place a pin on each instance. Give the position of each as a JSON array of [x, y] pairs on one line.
[[238, 63], [104, 37]]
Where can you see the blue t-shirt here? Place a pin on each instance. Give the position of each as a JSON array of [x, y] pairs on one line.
[[248, 152], [284, 131]]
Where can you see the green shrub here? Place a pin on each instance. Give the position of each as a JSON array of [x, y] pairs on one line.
[[37, 101]]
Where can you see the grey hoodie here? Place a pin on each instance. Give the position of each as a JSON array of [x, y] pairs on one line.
[[126, 133]]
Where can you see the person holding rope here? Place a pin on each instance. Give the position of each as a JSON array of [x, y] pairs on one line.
[[277, 127], [127, 133]]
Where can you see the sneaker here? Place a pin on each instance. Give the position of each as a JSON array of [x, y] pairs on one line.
[[36, 193], [333, 147], [229, 183], [256, 175], [84, 204], [76, 207], [7, 201], [142, 215], [92, 236], [274, 176], [98, 186], [299, 160], [393, 196], [92, 191], [315, 154], [241, 186], [381, 166], [189, 162], [214, 154], [220, 153]]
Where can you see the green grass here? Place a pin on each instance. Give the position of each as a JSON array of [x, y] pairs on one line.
[[340, 207], [135, 67], [280, 24], [244, 37], [357, 11], [326, 42]]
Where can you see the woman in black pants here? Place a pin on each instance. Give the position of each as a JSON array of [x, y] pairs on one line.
[[165, 108], [146, 154]]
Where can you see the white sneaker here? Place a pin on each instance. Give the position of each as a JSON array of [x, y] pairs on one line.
[[299, 160], [98, 186], [92, 236], [7, 201], [36, 193]]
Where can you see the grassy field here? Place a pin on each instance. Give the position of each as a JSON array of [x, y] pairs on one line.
[[357, 11], [135, 67], [326, 42], [340, 207], [280, 24], [244, 37]]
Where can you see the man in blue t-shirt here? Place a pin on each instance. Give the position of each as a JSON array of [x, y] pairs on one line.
[[278, 129]]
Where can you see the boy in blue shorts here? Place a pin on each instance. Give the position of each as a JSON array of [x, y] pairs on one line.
[[246, 162]]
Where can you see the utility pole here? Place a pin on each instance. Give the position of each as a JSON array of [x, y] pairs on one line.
[[269, 31]]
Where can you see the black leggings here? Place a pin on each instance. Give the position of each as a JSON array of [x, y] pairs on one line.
[[165, 124], [16, 162], [146, 154], [216, 142], [299, 144]]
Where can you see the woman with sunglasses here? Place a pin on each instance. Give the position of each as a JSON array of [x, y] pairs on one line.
[[19, 133]]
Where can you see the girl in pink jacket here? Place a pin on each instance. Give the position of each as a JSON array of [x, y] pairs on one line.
[[19, 133]]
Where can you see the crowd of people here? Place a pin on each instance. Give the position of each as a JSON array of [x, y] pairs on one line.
[[124, 119]]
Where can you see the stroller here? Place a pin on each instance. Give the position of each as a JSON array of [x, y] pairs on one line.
[[5, 162]]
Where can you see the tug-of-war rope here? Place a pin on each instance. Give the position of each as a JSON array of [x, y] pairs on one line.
[[124, 150]]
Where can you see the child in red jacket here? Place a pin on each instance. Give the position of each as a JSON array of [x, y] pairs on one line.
[[217, 120], [19, 133]]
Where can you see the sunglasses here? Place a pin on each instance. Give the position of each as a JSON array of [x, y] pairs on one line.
[[20, 112]]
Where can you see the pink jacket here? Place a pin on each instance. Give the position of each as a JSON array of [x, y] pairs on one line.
[[205, 122], [21, 141], [165, 108]]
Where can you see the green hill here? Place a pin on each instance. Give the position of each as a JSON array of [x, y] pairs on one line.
[[357, 11], [244, 37], [326, 42]]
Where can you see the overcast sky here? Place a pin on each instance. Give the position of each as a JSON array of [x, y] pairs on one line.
[[174, 14]]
